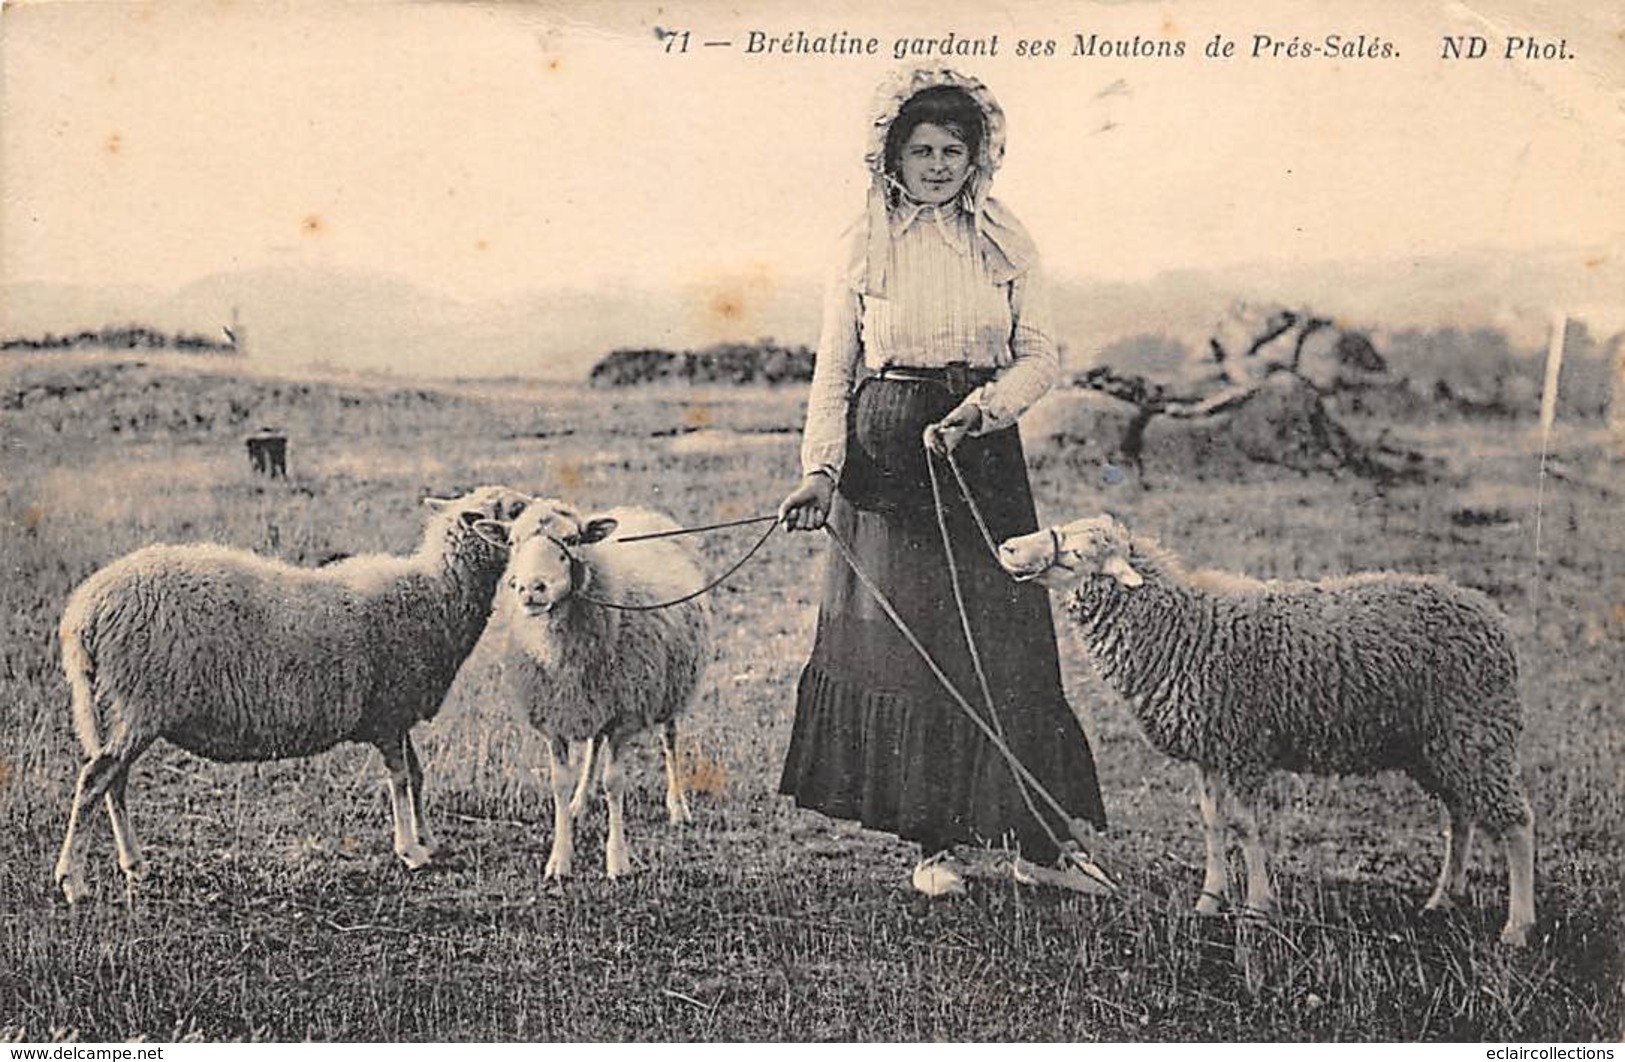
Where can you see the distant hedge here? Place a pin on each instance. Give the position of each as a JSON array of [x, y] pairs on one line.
[[121, 337], [763, 362]]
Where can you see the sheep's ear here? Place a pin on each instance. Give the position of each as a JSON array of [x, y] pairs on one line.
[[1121, 570], [598, 529], [437, 505], [493, 531]]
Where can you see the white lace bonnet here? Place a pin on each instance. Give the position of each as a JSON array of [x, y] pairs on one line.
[[1005, 247]]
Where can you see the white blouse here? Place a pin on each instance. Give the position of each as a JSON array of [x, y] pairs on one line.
[[939, 308]]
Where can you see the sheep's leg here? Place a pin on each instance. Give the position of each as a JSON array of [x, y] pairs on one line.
[[558, 765], [105, 772], [1244, 806], [1214, 875], [1520, 850], [583, 793], [1518, 841], [70, 876], [1458, 836], [414, 781], [617, 859], [407, 846], [129, 852], [676, 799]]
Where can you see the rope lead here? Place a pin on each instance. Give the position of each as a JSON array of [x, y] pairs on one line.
[[1026, 783], [708, 587], [964, 614], [998, 743]]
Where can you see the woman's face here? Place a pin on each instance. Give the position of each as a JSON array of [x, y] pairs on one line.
[[935, 164]]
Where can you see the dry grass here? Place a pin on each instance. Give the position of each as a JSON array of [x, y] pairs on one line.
[[277, 911]]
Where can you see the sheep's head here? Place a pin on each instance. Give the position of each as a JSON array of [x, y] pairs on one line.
[[1059, 556], [543, 568], [491, 505]]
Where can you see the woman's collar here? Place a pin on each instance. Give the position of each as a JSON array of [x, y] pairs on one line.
[[909, 210]]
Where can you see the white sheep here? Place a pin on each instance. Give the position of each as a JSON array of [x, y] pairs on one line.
[[237, 657], [1343, 676], [584, 672]]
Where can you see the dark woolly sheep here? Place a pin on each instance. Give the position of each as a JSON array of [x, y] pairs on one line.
[[1343, 676], [237, 657]]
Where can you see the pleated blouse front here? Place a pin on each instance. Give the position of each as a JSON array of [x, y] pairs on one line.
[[940, 308]]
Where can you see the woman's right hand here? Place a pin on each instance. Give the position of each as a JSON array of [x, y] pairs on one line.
[[806, 507]]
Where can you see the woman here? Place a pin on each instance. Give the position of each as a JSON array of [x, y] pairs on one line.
[[935, 332]]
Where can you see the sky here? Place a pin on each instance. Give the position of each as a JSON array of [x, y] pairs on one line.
[[485, 150]]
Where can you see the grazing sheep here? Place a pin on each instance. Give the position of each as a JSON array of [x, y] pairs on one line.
[[1344, 676], [237, 657], [588, 673]]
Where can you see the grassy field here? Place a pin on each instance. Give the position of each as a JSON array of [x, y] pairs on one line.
[[276, 909]]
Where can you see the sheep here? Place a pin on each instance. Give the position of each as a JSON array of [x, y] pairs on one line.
[[1349, 675], [236, 657], [584, 672]]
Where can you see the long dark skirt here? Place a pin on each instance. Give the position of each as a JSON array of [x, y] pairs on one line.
[[876, 737]]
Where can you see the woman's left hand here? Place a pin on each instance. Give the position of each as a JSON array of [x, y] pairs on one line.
[[947, 433]]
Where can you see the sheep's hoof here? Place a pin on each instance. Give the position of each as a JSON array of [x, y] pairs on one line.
[[73, 887], [678, 811], [416, 857], [1209, 904], [617, 864], [557, 867], [1515, 936], [938, 877], [1440, 901]]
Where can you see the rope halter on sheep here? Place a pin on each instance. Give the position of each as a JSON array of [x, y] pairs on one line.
[[599, 530], [1064, 552]]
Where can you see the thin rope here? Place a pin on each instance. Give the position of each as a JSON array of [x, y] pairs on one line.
[[693, 530], [964, 621], [1024, 777], [707, 588], [970, 500]]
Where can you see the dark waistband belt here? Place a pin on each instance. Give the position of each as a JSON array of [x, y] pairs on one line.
[[958, 376]]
